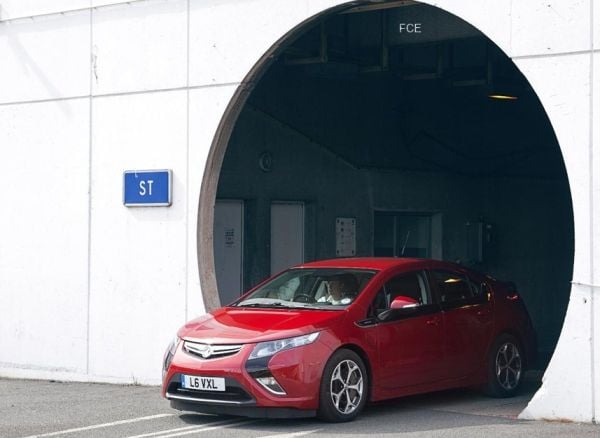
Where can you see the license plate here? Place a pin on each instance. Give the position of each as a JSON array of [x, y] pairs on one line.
[[200, 383]]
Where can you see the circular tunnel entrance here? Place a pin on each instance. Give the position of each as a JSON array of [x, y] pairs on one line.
[[366, 137]]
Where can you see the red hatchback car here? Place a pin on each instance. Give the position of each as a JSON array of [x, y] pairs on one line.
[[326, 337]]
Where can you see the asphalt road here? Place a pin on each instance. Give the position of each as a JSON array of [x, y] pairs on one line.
[[55, 409]]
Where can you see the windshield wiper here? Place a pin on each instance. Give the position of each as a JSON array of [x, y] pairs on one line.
[[273, 304]]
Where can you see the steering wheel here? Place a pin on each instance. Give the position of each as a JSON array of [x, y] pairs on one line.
[[304, 298]]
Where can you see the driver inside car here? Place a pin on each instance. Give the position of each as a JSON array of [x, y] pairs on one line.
[[341, 290]]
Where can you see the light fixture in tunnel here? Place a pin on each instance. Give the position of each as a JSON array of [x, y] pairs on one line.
[[503, 88], [503, 81], [502, 96]]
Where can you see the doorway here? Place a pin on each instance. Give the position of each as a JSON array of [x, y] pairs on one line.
[[401, 234], [287, 235], [229, 248]]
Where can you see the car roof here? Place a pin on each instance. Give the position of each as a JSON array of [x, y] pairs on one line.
[[385, 263], [378, 263]]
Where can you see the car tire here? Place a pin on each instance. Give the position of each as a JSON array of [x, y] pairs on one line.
[[505, 367], [344, 387]]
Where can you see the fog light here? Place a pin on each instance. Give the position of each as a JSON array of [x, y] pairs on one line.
[[271, 384]]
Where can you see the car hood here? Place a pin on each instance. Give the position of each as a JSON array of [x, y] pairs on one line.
[[246, 325]]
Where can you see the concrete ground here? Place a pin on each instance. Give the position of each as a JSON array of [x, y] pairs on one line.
[[54, 409]]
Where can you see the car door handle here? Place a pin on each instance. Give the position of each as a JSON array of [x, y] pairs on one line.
[[433, 321]]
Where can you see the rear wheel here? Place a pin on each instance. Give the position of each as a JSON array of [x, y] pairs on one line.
[[505, 367], [344, 387]]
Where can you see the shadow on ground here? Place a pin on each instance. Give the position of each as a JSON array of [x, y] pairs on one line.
[[443, 410]]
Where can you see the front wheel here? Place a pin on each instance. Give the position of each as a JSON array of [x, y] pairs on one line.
[[344, 387], [505, 367]]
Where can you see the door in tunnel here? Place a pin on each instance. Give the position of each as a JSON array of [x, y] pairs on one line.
[[228, 248], [403, 235], [287, 235]]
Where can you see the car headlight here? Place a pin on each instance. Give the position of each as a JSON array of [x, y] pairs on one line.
[[264, 349], [168, 357]]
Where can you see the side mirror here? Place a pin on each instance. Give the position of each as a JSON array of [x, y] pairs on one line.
[[402, 302], [400, 307]]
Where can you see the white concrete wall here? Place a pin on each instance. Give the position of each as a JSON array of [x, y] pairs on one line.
[[91, 290], [45, 154], [570, 116], [43, 235]]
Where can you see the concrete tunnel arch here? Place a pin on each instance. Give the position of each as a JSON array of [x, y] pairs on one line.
[[550, 393]]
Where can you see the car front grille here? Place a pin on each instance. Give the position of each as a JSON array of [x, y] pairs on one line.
[[209, 351]]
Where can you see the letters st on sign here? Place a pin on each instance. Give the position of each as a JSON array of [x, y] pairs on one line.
[[147, 188]]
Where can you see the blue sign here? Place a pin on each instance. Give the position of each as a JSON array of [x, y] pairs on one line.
[[147, 188]]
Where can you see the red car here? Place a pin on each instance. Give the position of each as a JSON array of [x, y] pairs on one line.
[[326, 337]]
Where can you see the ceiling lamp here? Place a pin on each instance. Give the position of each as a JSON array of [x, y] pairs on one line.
[[502, 96]]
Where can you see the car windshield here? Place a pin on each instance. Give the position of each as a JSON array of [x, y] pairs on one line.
[[318, 288]]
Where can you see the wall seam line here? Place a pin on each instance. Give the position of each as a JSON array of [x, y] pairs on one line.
[[591, 213], [557, 54], [120, 94], [187, 175], [69, 11], [89, 242], [510, 21]]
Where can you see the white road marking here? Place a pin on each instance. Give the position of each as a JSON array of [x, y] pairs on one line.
[[208, 427], [154, 434], [291, 434], [100, 426], [200, 427]]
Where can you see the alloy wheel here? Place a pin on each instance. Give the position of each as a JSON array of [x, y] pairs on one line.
[[508, 366], [346, 386]]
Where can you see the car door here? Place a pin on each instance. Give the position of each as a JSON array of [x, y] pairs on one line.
[[410, 344], [467, 320]]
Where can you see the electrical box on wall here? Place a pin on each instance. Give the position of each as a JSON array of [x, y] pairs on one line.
[[345, 237]]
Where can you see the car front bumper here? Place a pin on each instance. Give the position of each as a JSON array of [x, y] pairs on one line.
[[298, 371]]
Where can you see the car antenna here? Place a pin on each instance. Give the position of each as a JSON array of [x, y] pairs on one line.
[[405, 242]]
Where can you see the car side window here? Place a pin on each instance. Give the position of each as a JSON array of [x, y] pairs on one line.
[[410, 285], [478, 289], [453, 287], [379, 304]]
